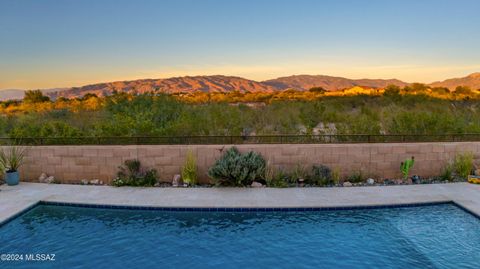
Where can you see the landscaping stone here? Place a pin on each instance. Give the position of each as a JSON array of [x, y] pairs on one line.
[[84, 181], [347, 184], [42, 178], [49, 180], [176, 180], [370, 181], [94, 182], [256, 185]]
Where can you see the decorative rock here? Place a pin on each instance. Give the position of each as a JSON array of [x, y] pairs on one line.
[[176, 180], [84, 181], [49, 180], [370, 181], [157, 184], [94, 182], [42, 178], [415, 179], [256, 185], [347, 184]]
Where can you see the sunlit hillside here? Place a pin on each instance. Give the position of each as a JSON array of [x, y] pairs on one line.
[[413, 109]]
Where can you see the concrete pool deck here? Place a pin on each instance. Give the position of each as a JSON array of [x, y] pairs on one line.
[[15, 199]]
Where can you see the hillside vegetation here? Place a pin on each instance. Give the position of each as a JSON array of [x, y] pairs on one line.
[[414, 109]]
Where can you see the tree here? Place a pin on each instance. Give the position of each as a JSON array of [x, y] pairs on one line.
[[320, 90], [35, 96], [463, 90], [392, 91], [88, 96], [416, 88], [441, 90]]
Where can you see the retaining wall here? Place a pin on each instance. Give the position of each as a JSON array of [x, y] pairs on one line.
[[71, 164]]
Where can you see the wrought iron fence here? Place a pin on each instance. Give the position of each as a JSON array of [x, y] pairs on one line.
[[258, 139]]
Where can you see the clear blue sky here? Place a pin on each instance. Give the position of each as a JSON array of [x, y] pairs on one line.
[[57, 43]]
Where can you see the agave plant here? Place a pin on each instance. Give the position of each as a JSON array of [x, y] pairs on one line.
[[11, 158]]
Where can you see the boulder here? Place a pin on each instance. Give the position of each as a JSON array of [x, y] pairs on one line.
[[42, 178], [256, 185], [176, 180], [347, 184], [94, 182], [370, 181], [49, 180], [84, 181]]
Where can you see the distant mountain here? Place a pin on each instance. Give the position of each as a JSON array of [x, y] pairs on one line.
[[472, 81], [305, 82], [221, 83], [170, 85], [18, 94], [11, 94]]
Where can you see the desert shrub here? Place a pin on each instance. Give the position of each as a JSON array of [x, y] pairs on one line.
[[189, 169], [320, 175], [269, 175], [299, 171], [463, 164], [336, 175], [132, 174], [447, 172], [281, 179], [237, 169], [356, 177]]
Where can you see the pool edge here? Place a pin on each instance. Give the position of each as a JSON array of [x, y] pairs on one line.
[[237, 209]]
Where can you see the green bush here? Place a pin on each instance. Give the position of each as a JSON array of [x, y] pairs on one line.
[[237, 169], [299, 171], [356, 177], [131, 174], [321, 175], [463, 164], [189, 169], [281, 179], [447, 172]]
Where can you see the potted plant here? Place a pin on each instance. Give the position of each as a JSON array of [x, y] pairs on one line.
[[11, 159]]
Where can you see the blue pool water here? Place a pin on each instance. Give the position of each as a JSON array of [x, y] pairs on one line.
[[436, 236]]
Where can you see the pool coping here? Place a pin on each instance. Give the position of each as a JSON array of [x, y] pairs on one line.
[[28, 195]]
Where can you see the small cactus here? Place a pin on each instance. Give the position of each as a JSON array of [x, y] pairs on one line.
[[406, 166]]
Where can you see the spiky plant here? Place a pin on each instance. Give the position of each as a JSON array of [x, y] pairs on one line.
[[189, 169], [12, 157]]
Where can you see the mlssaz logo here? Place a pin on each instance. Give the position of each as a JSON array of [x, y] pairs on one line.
[[40, 257]]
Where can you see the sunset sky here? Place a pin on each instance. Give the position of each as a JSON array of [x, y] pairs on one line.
[[60, 43]]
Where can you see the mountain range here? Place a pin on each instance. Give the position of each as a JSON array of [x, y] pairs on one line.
[[219, 83]]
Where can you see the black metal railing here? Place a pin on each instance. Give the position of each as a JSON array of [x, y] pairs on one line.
[[258, 139]]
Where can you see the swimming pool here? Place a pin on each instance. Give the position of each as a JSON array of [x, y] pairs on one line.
[[434, 236]]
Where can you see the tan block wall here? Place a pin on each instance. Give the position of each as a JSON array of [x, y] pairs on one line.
[[70, 164]]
